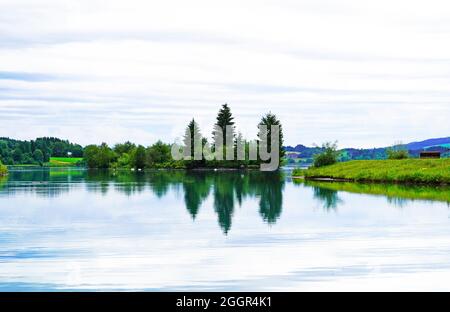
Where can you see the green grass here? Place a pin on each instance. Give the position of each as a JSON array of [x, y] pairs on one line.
[[427, 171], [3, 170], [64, 161]]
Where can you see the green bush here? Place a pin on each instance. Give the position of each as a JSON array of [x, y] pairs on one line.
[[329, 156], [393, 153], [100, 156], [123, 161]]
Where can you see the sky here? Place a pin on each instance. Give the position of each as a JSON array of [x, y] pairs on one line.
[[364, 73]]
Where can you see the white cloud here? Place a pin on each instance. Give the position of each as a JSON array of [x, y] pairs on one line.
[[364, 73]]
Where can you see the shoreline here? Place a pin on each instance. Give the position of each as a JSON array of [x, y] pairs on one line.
[[12, 167], [368, 181], [3, 170], [407, 172]]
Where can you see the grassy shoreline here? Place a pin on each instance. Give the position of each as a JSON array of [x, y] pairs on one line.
[[64, 161], [3, 170], [412, 171], [54, 162], [396, 192]]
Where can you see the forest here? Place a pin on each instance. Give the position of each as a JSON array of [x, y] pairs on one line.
[[36, 152]]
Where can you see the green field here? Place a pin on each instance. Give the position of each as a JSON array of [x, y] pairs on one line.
[[64, 161], [427, 171]]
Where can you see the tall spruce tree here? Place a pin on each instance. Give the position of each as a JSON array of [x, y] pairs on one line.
[[224, 119], [191, 137], [269, 120]]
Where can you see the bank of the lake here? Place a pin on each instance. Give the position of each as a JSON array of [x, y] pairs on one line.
[[420, 171], [3, 170], [61, 162], [64, 161], [395, 192]]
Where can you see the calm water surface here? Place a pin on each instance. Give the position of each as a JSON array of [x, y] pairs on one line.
[[79, 230]]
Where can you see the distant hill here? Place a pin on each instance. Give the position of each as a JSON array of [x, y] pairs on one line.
[[304, 154], [427, 144]]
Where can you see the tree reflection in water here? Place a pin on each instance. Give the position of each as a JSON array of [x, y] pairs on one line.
[[226, 189], [328, 197]]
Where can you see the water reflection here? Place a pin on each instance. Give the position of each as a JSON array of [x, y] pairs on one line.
[[43, 183], [395, 194], [328, 197], [226, 190], [177, 231], [271, 197], [196, 190]]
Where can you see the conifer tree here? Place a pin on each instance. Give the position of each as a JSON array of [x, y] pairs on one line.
[[191, 137], [224, 119], [269, 120]]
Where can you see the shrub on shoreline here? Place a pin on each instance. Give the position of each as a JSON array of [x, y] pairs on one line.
[[398, 151], [328, 157]]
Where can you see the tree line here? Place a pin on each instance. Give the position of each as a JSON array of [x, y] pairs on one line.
[[36, 152], [129, 155], [158, 155]]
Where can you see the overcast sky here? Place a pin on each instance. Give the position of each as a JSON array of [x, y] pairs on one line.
[[365, 73]]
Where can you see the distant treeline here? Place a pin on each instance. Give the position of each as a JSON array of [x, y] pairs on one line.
[[304, 154], [36, 152]]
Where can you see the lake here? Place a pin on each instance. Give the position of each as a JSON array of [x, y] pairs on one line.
[[72, 229]]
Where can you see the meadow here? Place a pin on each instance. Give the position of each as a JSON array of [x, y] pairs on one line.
[[425, 171], [64, 161]]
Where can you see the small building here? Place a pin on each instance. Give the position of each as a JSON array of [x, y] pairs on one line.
[[430, 155]]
